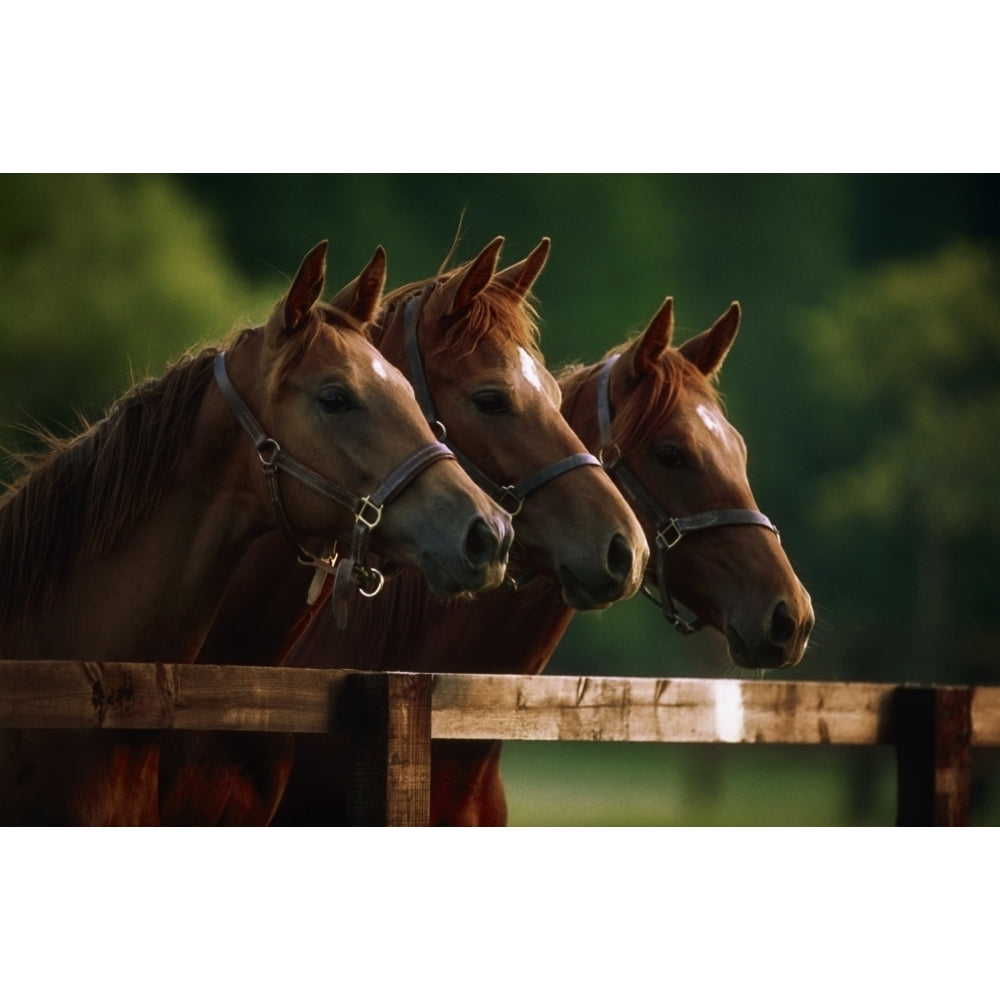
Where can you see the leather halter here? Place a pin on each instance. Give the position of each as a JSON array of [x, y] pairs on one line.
[[669, 530], [367, 510], [517, 492]]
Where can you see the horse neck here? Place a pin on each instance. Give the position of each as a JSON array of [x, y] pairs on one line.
[[254, 620], [579, 405], [407, 628], [153, 594]]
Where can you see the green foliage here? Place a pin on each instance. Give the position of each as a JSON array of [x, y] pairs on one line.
[[906, 362], [105, 279], [905, 367]]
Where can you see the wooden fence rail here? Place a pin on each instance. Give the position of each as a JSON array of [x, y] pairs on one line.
[[391, 718]]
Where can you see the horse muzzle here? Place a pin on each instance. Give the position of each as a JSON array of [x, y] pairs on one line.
[[776, 641]]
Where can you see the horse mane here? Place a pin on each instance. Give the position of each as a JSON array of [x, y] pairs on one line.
[[496, 313], [381, 630], [77, 495], [389, 623], [660, 395]]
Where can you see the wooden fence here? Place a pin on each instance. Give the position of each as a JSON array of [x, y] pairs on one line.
[[391, 718]]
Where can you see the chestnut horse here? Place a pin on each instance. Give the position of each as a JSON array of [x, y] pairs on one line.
[[469, 342], [119, 544], [653, 414]]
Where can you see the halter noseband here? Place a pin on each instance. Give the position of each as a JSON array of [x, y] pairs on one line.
[[669, 530], [518, 492], [367, 510]]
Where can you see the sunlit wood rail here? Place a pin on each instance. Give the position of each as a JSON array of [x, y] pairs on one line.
[[391, 718]]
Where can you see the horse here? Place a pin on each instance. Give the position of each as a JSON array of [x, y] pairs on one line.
[[118, 544], [652, 412], [468, 341]]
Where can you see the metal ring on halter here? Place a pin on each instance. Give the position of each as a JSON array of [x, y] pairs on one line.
[[610, 463], [439, 429], [268, 451], [378, 586]]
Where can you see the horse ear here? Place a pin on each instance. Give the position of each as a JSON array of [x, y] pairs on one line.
[[521, 276], [708, 350], [475, 276], [360, 298], [307, 285], [648, 348]]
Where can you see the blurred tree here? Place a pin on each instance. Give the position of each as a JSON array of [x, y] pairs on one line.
[[906, 374], [105, 279]]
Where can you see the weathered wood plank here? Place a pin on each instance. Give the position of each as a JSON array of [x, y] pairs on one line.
[[659, 710], [69, 694], [55, 694]]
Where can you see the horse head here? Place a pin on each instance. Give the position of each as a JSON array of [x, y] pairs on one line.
[[344, 446], [468, 340], [658, 422]]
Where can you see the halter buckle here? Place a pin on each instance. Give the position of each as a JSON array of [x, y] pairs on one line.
[[669, 543], [372, 519], [511, 493]]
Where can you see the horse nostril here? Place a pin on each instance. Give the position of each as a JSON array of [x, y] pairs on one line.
[[482, 546], [619, 558], [783, 625]]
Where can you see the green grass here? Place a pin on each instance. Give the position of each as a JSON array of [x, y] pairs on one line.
[[606, 784]]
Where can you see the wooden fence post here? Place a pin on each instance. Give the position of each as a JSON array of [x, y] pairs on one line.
[[387, 718], [933, 738]]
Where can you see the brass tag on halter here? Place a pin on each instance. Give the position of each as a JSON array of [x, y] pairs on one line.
[[329, 564]]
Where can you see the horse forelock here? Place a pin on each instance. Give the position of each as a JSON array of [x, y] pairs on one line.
[[334, 316], [77, 495], [497, 314], [651, 400], [322, 319]]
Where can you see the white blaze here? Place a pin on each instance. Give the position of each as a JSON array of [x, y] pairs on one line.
[[529, 369], [380, 368], [712, 420]]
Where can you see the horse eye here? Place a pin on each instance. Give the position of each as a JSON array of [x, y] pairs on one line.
[[334, 399], [671, 457], [491, 402]]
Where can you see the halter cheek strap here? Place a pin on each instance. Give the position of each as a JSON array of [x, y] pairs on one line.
[[367, 510], [669, 530], [514, 494]]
